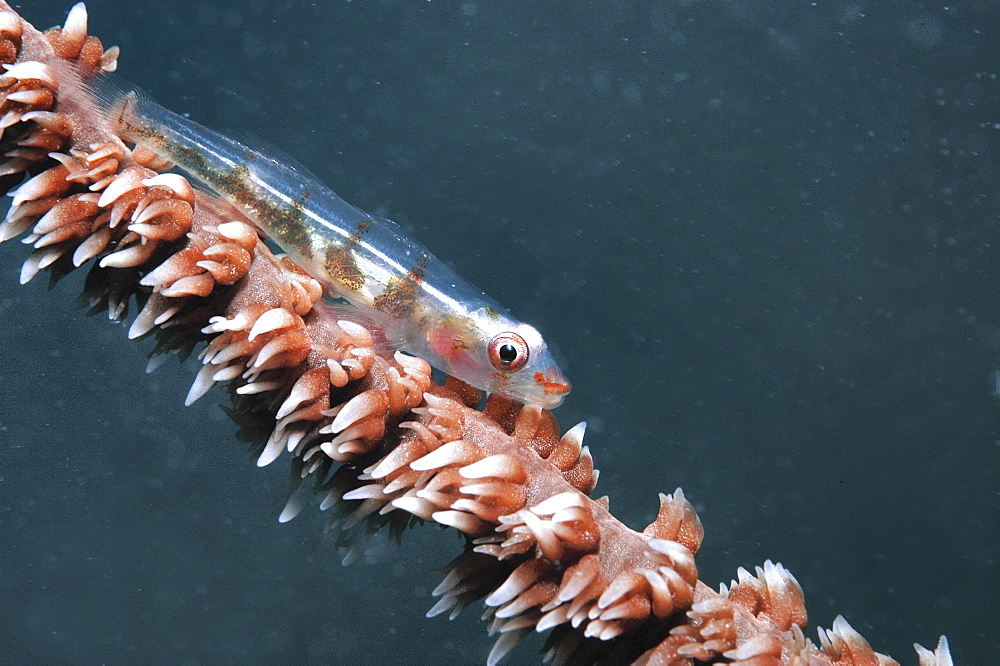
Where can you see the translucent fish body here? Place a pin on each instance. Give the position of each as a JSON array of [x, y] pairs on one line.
[[422, 306]]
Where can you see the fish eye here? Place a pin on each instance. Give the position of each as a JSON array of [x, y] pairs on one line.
[[508, 352]]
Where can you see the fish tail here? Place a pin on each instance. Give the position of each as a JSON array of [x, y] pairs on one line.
[[106, 100]]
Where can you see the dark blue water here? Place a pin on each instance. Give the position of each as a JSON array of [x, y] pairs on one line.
[[762, 238]]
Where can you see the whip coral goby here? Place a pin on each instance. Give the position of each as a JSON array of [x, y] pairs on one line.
[[417, 302], [372, 433]]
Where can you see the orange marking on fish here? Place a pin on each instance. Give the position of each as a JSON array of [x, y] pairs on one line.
[[550, 386]]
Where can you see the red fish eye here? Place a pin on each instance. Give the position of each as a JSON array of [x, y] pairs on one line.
[[508, 352]]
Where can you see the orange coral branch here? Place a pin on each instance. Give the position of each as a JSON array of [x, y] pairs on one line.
[[373, 433]]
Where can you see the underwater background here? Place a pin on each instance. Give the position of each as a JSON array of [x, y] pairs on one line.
[[761, 237]]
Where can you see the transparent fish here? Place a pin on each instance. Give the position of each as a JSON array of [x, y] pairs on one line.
[[422, 306]]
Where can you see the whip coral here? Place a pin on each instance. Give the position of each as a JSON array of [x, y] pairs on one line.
[[373, 434]]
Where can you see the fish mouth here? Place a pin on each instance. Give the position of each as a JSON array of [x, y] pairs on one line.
[[554, 387]]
